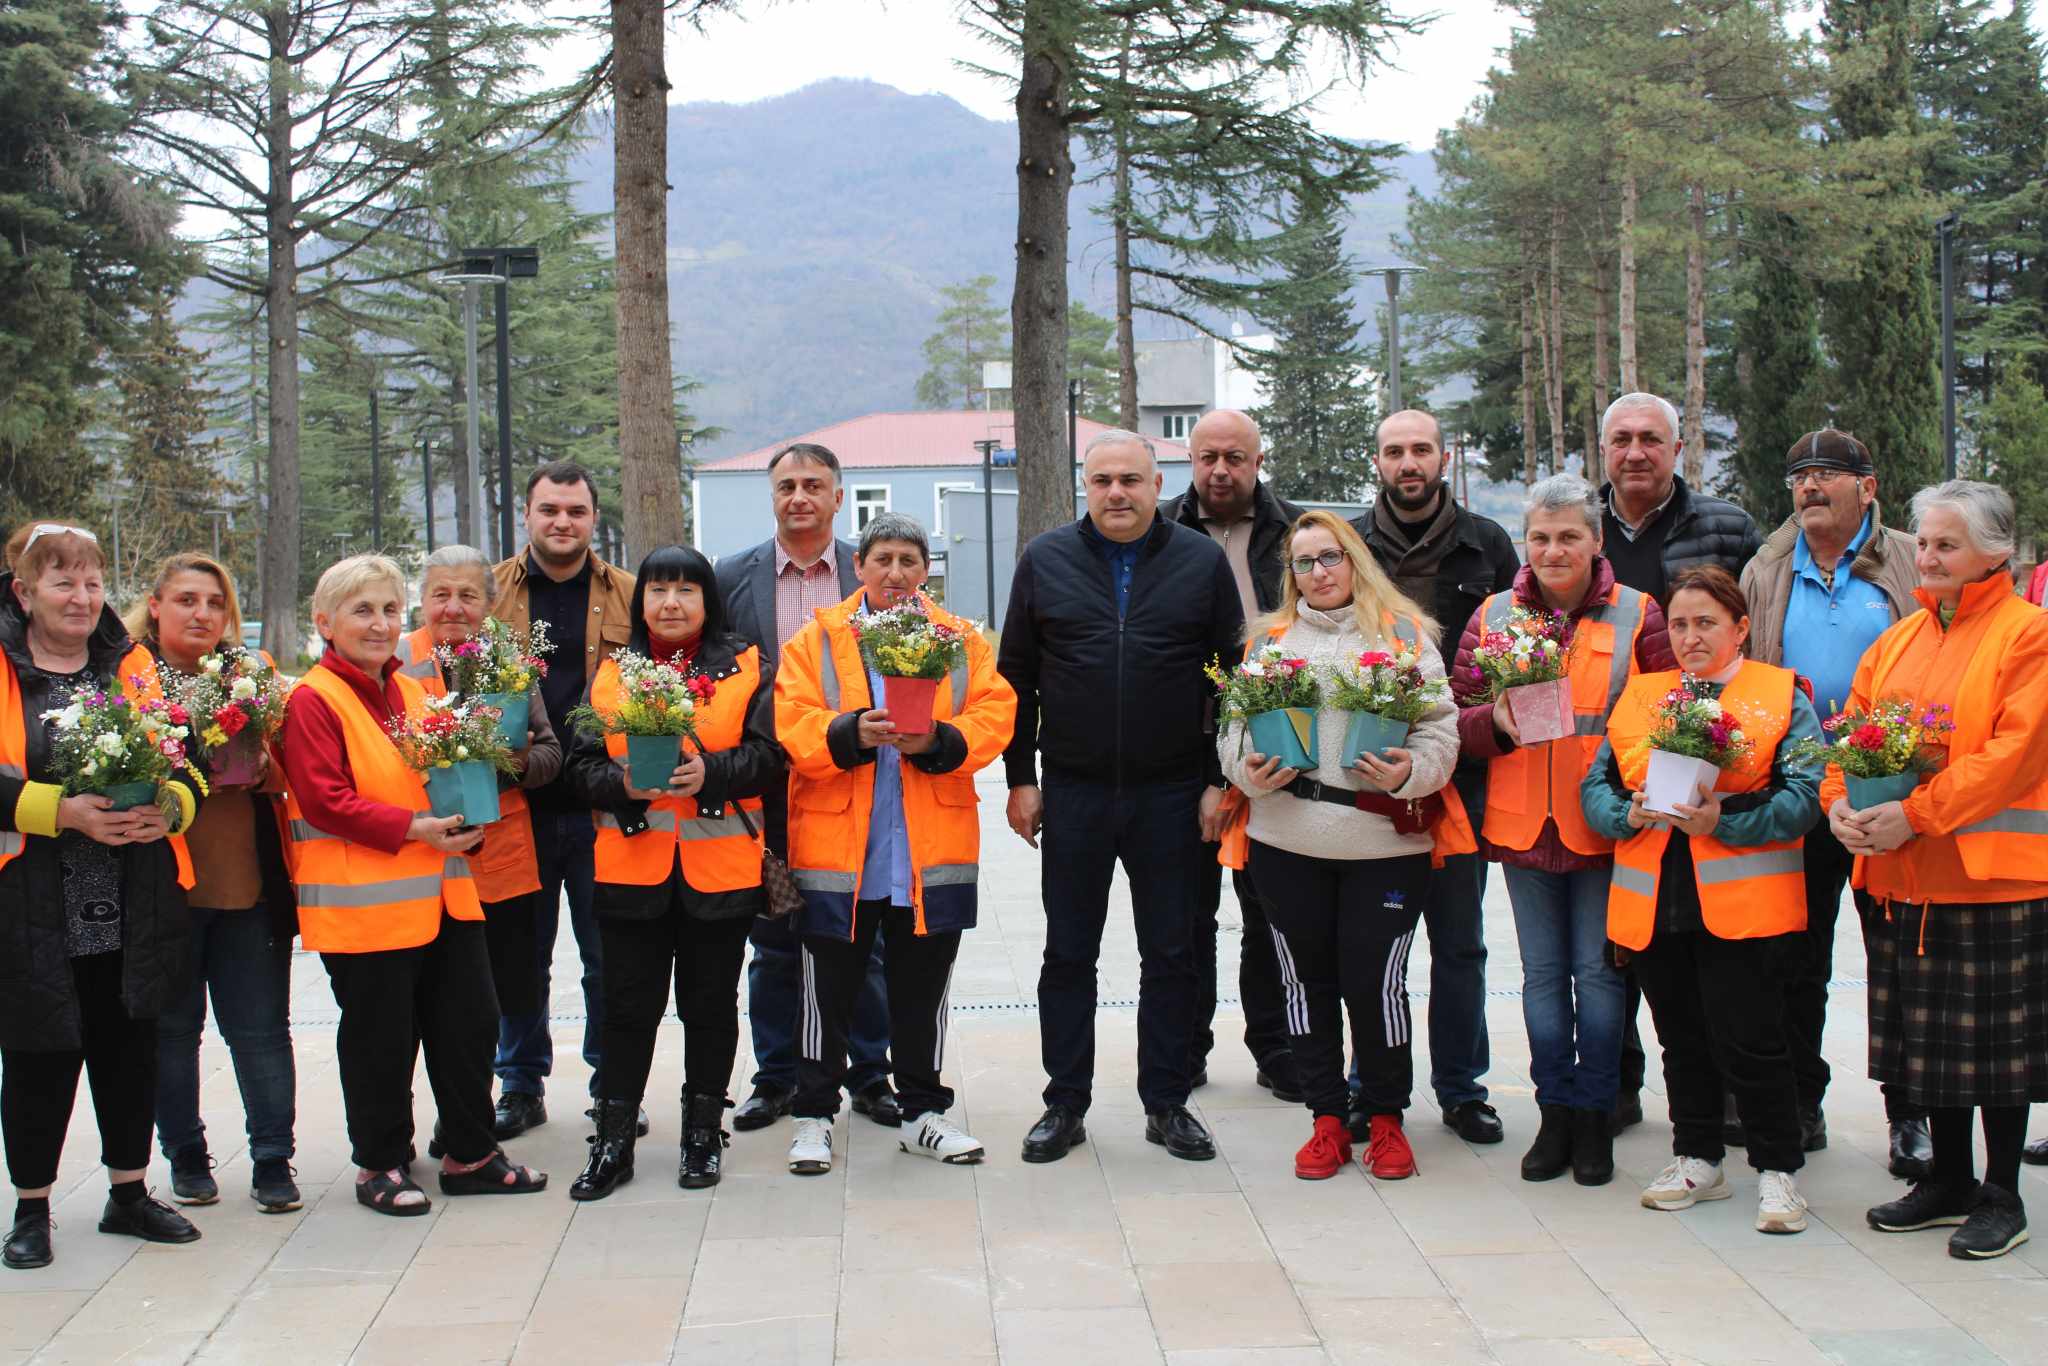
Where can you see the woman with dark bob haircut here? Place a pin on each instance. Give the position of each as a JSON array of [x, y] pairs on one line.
[[678, 867]]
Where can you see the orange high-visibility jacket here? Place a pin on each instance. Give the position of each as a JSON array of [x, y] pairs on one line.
[[355, 899], [1981, 821], [1746, 891], [1532, 783], [819, 694]]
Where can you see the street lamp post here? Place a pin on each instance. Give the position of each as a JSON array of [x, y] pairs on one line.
[[1945, 236], [987, 447], [1394, 274], [503, 264], [472, 466]]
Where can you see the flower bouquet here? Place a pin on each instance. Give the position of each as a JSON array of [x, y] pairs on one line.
[[455, 747], [1385, 694], [1694, 738], [1527, 662], [912, 653], [119, 749], [1883, 753], [1276, 697], [238, 699], [655, 712], [499, 665]]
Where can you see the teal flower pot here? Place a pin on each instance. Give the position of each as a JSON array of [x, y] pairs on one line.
[[515, 708], [1289, 733], [468, 790], [1366, 733], [1865, 793], [651, 760], [128, 796]]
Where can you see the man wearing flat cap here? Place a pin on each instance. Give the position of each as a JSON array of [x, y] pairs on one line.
[[1823, 588]]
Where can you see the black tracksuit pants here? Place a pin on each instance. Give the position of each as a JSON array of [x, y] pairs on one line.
[[919, 970], [118, 1055]]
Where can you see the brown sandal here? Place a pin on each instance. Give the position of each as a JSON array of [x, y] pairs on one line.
[[381, 1193], [495, 1177]]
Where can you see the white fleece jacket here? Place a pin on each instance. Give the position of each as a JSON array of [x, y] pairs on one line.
[[1323, 829]]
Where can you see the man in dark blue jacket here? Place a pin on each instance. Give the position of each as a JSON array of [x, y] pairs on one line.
[[1111, 620]]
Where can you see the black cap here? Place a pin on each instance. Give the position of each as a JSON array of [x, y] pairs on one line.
[[1829, 449]]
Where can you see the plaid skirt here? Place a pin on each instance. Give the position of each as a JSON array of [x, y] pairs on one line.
[[1959, 1002]]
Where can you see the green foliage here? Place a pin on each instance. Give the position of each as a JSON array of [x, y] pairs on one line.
[[1091, 358], [970, 331], [2012, 448], [1779, 386]]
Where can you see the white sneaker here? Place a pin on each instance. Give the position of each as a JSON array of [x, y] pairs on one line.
[[810, 1152], [1686, 1182], [1780, 1208], [933, 1135]]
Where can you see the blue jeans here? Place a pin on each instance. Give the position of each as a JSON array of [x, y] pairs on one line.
[[249, 971], [1458, 1053], [774, 999], [564, 842], [1571, 998]]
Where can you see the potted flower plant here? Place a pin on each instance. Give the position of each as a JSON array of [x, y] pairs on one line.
[[1884, 753], [1528, 663], [499, 665], [1694, 738], [656, 712], [912, 653], [237, 697], [1276, 696], [1384, 694], [456, 748], [107, 744]]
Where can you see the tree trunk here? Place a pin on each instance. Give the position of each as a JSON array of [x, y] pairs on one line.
[[1695, 438], [281, 317], [1528, 371], [1631, 377], [1553, 353], [1126, 339], [650, 472], [1038, 303], [1600, 375]]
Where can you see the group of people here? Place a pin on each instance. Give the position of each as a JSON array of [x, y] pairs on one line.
[[798, 787]]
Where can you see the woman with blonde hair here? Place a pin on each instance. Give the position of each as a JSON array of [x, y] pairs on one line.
[[1342, 858]]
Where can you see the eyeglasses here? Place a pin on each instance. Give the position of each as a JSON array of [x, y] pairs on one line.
[[1329, 559], [1813, 474]]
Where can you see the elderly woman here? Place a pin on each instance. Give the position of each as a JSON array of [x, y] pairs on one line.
[[883, 837], [94, 915], [1708, 899], [1959, 969], [389, 902], [1557, 867], [243, 919], [1343, 860]]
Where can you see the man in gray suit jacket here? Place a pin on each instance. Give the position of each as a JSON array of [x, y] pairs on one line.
[[770, 591]]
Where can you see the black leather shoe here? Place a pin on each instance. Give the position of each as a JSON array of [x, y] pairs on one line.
[[1912, 1156], [878, 1102], [2035, 1153], [1180, 1133], [1475, 1121], [1995, 1227], [1813, 1130], [1278, 1075], [639, 1120], [1592, 1148], [1551, 1154], [768, 1104], [28, 1244], [704, 1141], [1627, 1112], [1057, 1130], [517, 1112], [149, 1219], [611, 1152]]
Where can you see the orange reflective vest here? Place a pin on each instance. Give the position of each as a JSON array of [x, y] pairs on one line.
[[1746, 891], [137, 677], [822, 678], [355, 899], [717, 853], [506, 864], [1534, 783]]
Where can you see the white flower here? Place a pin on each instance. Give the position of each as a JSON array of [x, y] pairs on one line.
[[462, 751], [110, 745], [211, 664], [66, 718], [1255, 667], [242, 689], [1711, 707]]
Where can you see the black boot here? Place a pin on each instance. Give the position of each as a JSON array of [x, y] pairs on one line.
[[1551, 1153], [704, 1140], [611, 1151], [1592, 1148]]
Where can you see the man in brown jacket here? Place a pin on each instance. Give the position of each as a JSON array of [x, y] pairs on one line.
[[587, 605], [1823, 588]]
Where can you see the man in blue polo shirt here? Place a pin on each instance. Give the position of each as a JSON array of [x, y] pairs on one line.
[[1823, 588]]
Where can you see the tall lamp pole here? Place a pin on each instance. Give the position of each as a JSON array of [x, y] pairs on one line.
[[1945, 237], [472, 487], [503, 264], [987, 447], [1393, 275]]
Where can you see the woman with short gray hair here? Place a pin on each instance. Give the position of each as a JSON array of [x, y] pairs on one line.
[[1959, 966]]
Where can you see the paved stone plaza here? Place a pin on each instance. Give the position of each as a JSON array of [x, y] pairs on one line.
[[1118, 1255]]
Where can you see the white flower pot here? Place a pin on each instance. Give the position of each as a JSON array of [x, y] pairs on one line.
[[1675, 780]]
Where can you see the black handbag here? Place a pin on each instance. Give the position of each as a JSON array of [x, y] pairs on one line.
[[779, 892]]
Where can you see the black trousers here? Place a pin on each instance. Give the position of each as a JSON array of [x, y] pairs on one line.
[[1828, 866], [920, 976], [38, 1089], [1258, 971], [396, 1003], [1155, 832], [1343, 929], [640, 957], [511, 935], [1719, 1006]]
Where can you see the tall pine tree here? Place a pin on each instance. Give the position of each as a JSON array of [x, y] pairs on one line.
[[1319, 415]]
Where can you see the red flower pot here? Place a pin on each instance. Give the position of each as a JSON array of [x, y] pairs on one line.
[[909, 703]]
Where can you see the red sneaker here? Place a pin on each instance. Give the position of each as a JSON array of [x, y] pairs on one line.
[[1388, 1155], [1327, 1151]]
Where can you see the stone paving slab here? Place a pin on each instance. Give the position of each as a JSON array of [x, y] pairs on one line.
[[1118, 1255]]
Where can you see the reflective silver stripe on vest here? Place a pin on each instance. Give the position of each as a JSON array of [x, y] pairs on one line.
[[823, 880], [1404, 631], [1769, 863], [951, 874], [1625, 615], [424, 668], [2013, 822], [1634, 880], [714, 827], [342, 896], [959, 677], [304, 831], [828, 677], [656, 820], [455, 866], [1497, 609], [12, 842], [13, 771]]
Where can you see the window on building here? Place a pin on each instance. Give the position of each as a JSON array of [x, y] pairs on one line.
[[939, 492], [869, 500], [1174, 426]]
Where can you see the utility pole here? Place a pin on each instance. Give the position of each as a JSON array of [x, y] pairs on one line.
[[1945, 236], [987, 447], [1073, 453], [1393, 338], [376, 476], [496, 266]]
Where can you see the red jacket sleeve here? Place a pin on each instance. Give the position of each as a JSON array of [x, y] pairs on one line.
[[1653, 645], [316, 769]]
